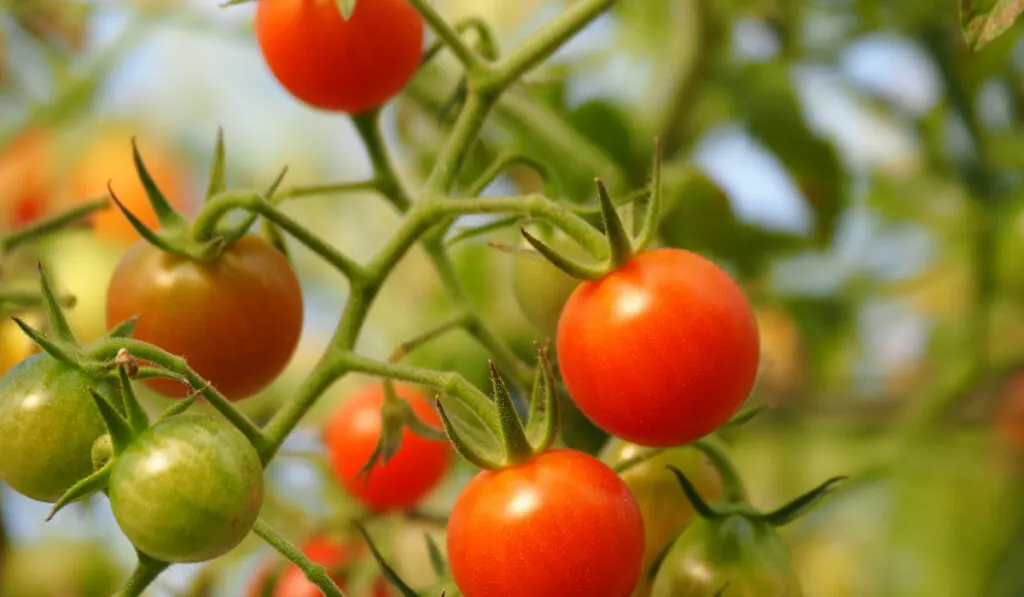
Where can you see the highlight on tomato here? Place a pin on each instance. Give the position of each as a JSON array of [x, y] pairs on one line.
[[334, 64], [661, 351], [237, 319], [351, 435], [188, 489], [335, 555]]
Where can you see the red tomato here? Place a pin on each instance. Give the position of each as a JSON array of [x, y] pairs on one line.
[[324, 551], [351, 436], [660, 352], [332, 64], [561, 525], [26, 179], [237, 319]]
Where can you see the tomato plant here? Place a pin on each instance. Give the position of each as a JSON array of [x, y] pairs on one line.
[[328, 552], [662, 503], [351, 436], [660, 352], [48, 423], [236, 319], [541, 289], [331, 63], [562, 524], [188, 489]]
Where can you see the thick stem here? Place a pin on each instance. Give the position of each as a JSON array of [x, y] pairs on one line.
[[316, 573], [449, 35], [338, 188], [732, 484], [146, 571], [465, 132]]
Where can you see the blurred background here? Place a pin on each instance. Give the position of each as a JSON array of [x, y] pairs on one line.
[[852, 162]]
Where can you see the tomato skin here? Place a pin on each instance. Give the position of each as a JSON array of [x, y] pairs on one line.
[[663, 505], [660, 352], [351, 436], [188, 489], [332, 64], [332, 555], [237, 320], [48, 423], [751, 557], [541, 289], [561, 525]]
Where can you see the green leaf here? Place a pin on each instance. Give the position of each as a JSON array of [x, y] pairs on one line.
[[985, 20], [347, 7], [218, 175]]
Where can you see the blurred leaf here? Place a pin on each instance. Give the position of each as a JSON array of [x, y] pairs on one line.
[[609, 126], [766, 99], [985, 20]]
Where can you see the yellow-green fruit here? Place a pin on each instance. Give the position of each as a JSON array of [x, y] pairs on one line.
[[542, 289], [64, 568]]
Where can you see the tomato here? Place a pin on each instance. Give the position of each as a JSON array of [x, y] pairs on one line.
[[15, 346], [660, 352], [26, 179], [48, 423], [188, 489], [61, 568], [663, 504], [331, 554], [351, 436], [750, 557], [561, 525], [237, 319], [332, 64], [108, 158], [541, 289]]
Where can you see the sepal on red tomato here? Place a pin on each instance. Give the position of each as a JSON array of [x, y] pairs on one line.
[[444, 585], [517, 442], [396, 415]]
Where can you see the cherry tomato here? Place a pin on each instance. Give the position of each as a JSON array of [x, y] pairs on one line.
[[237, 319], [663, 504], [61, 568], [15, 346], [560, 525], [26, 179], [660, 352], [108, 158], [333, 64], [188, 489], [329, 553], [410, 474], [747, 558], [48, 423], [541, 289]]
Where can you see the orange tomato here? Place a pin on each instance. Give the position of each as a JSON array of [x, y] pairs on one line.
[[109, 158], [26, 179], [15, 346]]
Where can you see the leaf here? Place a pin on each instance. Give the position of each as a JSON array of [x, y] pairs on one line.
[[983, 21], [347, 7]]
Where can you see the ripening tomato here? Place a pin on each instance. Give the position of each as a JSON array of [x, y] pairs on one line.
[[410, 474], [237, 319], [48, 423], [540, 288], [745, 557], [560, 525], [26, 179], [663, 505], [662, 351], [108, 158], [188, 489], [61, 568], [333, 64], [15, 346], [331, 554]]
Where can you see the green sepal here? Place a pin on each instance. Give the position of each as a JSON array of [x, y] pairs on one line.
[[138, 420], [700, 506], [437, 561], [54, 314], [270, 230], [513, 437], [544, 418], [125, 329], [801, 505], [568, 265], [55, 350], [118, 428], [90, 485], [179, 407], [388, 572], [650, 223], [165, 214], [151, 237], [619, 241], [218, 174], [346, 8], [396, 415], [473, 455], [744, 417]]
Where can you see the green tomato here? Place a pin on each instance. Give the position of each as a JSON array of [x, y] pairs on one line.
[[663, 505], [48, 423], [188, 489], [733, 556], [62, 568], [541, 289]]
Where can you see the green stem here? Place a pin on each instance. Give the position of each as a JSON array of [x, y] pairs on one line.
[[316, 573], [107, 348], [732, 483], [385, 172], [337, 188], [37, 230], [146, 571], [545, 42], [206, 222], [466, 130], [18, 299], [471, 61]]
